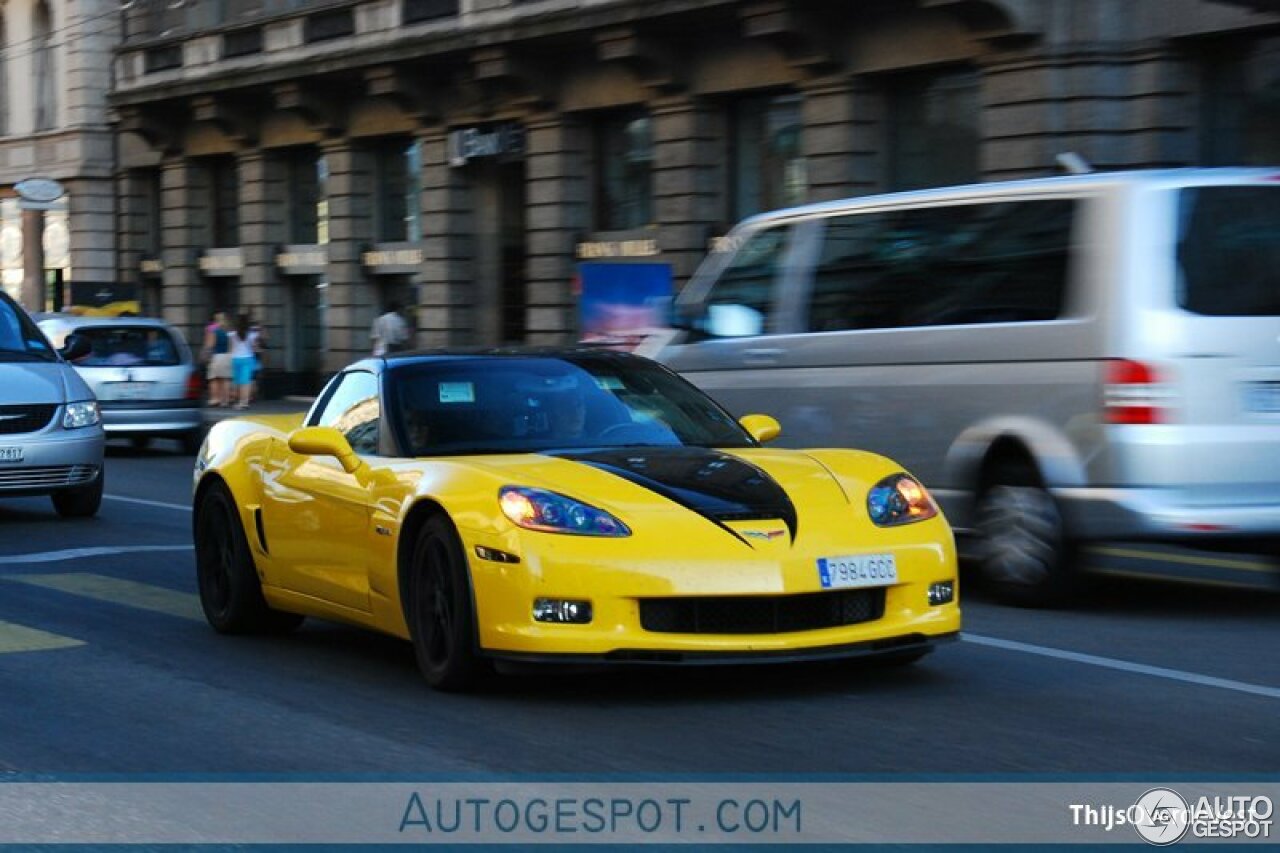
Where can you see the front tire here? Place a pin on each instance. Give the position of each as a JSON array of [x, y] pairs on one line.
[[82, 501], [440, 615], [230, 592], [1024, 554]]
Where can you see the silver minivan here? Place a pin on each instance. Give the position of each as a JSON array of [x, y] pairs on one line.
[[1061, 360], [51, 439]]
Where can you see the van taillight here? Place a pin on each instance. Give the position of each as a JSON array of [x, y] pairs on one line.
[[195, 387], [1132, 393]]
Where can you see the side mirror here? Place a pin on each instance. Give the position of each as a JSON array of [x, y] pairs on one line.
[[75, 346], [325, 441], [762, 427]]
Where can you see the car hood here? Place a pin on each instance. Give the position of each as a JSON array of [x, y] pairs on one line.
[[39, 382], [724, 487]]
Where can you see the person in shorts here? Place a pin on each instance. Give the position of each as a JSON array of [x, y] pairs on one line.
[[217, 352]]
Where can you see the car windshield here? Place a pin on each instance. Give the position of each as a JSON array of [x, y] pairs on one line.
[[520, 405], [20, 340], [128, 346]]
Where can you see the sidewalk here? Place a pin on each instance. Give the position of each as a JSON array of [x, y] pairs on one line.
[[284, 406]]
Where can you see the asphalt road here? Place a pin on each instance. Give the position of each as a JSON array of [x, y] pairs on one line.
[[107, 666]]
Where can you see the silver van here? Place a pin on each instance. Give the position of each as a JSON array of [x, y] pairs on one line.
[[1061, 360], [51, 439]]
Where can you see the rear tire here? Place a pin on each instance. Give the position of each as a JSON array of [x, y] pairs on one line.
[[230, 592], [1023, 552], [439, 609], [82, 501], [140, 442]]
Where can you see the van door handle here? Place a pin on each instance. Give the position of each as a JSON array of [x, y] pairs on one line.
[[761, 357]]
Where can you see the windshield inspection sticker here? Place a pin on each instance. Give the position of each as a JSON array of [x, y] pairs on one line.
[[457, 392]]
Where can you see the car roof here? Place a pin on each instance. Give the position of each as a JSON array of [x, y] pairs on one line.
[[1153, 178], [443, 354]]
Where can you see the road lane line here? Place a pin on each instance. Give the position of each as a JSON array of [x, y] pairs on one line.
[[1187, 559], [142, 596], [77, 553], [1124, 666], [19, 638], [161, 504]]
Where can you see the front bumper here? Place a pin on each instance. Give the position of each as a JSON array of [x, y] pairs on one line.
[[53, 460]]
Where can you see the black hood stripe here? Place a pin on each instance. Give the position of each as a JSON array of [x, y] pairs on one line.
[[715, 485]]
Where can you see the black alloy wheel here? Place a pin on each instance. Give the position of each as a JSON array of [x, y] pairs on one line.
[[441, 619], [230, 592]]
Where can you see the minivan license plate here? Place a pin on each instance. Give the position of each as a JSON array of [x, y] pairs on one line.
[[10, 454], [858, 571]]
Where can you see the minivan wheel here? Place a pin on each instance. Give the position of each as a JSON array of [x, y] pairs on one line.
[[80, 502], [1023, 553]]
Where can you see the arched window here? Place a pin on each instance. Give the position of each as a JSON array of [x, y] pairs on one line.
[[42, 38]]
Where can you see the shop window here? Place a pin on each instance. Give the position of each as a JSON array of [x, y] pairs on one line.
[[308, 206], [398, 182], [223, 179], [932, 129], [623, 171], [46, 91], [1240, 105], [766, 167]]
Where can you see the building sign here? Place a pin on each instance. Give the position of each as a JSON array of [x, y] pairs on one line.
[[150, 265], [506, 139], [103, 299], [221, 262], [302, 259], [602, 249], [39, 193], [394, 258]]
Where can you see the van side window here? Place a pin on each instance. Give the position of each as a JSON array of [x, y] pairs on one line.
[[741, 302], [998, 262]]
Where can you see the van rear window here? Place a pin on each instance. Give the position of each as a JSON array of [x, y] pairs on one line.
[[1229, 251]]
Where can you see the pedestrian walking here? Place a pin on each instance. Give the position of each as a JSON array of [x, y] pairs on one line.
[[258, 342], [217, 356], [242, 362], [390, 332]]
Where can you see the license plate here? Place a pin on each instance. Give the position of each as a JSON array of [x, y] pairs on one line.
[[129, 390], [10, 454], [858, 571], [1262, 398]]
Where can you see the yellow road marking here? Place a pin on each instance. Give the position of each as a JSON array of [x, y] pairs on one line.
[[1247, 565], [19, 638], [117, 591]]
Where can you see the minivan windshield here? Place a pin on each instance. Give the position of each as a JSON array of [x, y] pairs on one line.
[[20, 340], [1229, 251]]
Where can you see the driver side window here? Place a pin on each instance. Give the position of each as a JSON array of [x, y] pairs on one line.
[[354, 410], [741, 303]]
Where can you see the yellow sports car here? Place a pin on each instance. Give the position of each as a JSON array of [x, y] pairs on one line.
[[563, 506]]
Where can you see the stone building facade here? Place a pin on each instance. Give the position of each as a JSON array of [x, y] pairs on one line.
[[55, 61], [311, 162]]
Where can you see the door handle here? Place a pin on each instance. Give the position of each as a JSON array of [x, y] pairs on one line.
[[761, 357]]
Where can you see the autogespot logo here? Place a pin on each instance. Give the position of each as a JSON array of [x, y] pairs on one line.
[[1161, 816]]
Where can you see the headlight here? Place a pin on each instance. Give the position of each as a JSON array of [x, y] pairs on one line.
[[537, 509], [80, 415], [899, 500]]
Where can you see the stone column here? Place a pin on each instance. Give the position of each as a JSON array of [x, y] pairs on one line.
[[687, 202], [92, 226], [262, 230], [840, 122], [132, 187], [352, 298], [445, 293], [185, 224], [557, 215]]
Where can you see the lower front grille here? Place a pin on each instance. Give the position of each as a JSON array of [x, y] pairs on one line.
[[15, 420], [761, 614], [47, 477]]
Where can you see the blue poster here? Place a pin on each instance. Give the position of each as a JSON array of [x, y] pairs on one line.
[[621, 304]]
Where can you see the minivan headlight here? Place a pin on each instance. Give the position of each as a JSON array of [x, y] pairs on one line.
[[899, 499], [538, 509], [82, 414]]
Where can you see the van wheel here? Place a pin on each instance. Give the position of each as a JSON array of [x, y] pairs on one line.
[[80, 502], [1023, 552]]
